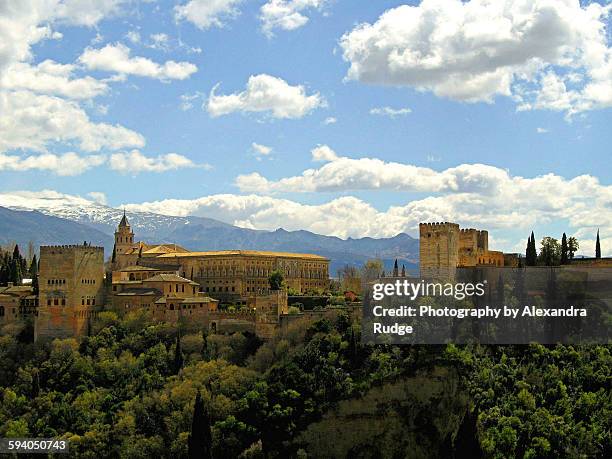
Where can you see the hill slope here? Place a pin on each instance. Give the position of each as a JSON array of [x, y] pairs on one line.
[[23, 227]]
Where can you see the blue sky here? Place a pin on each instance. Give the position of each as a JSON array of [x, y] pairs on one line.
[[535, 110]]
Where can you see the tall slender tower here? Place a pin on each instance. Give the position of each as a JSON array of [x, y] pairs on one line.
[[124, 236]]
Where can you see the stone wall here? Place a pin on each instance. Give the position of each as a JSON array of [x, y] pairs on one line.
[[71, 285]]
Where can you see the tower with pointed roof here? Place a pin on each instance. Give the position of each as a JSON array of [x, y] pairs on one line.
[[124, 236]]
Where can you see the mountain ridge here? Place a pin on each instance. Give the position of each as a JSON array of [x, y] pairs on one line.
[[202, 234]]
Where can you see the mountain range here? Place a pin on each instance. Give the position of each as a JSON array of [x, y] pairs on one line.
[[61, 221]]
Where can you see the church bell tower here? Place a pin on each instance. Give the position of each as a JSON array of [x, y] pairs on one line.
[[124, 236]]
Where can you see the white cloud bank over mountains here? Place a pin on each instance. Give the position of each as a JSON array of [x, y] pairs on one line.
[[545, 54], [349, 216]]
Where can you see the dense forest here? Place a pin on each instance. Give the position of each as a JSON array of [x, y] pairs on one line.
[[136, 388]]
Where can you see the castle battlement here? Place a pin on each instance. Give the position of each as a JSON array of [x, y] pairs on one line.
[[444, 246], [45, 248]]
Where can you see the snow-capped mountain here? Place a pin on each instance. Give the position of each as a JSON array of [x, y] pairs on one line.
[[199, 233], [102, 217]]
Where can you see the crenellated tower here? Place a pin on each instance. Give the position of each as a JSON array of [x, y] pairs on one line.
[[439, 250]]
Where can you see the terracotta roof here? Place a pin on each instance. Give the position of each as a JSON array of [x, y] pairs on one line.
[[137, 268], [251, 253], [169, 278], [165, 248]]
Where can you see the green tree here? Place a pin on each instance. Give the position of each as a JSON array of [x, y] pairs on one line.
[[572, 247], [200, 438], [178, 353], [531, 254], [33, 272], [564, 250], [597, 247], [550, 251], [276, 280]]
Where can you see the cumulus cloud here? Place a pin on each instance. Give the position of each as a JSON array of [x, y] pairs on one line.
[[98, 196], [545, 54], [581, 203], [116, 58], [50, 77], [205, 14], [260, 150], [134, 162], [265, 93], [66, 164], [31, 121], [323, 153], [26, 23], [286, 14], [390, 112], [341, 174]]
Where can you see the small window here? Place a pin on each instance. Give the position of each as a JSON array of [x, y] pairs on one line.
[[63, 301]]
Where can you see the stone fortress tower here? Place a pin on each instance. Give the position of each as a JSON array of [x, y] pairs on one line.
[[438, 250], [444, 247], [71, 289]]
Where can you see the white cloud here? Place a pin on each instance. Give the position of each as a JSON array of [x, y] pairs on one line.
[[66, 164], [160, 41], [187, 100], [207, 13], [323, 153], [50, 77], [286, 14], [330, 120], [116, 58], [31, 121], [541, 130], [545, 54], [25, 23], [583, 206], [133, 36], [260, 150], [265, 93], [390, 112], [134, 162], [98, 196]]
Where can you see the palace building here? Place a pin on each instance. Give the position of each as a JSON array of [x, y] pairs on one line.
[[227, 275]]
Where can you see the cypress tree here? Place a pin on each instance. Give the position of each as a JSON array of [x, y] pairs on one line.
[[114, 257], [564, 250], [531, 254], [178, 354], [597, 247], [403, 270], [200, 438], [34, 274], [395, 269]]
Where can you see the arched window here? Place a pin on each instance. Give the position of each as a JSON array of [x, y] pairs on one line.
[[1, 310]]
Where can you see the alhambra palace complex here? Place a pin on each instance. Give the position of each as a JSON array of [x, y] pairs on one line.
[[173, 283]]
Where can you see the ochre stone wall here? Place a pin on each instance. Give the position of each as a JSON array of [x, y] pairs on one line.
[[438, 250], [232, 275], [71, 285]]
